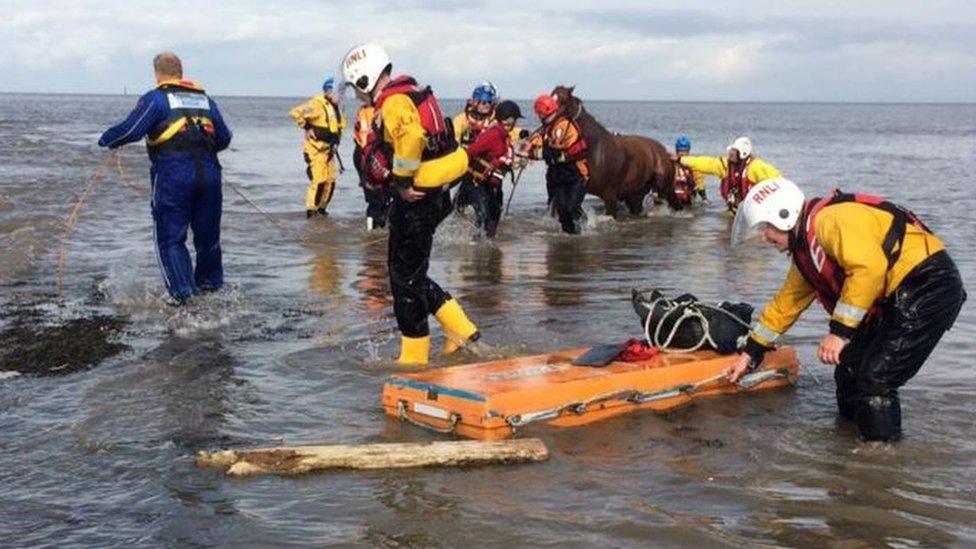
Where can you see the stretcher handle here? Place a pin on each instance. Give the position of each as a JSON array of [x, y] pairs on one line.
[[402, 414]]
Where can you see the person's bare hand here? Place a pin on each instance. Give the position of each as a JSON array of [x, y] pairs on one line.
[[411, 195], [738, 367], [830, 348]]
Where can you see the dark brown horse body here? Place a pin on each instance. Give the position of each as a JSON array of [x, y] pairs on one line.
[[622, 167]]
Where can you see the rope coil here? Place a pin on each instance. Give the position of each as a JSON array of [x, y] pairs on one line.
[[687, 312]]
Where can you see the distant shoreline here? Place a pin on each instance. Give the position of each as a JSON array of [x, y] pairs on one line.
[[528, 100]]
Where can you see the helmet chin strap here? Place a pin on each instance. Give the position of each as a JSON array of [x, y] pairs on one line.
[[381, 83], [791, 238]]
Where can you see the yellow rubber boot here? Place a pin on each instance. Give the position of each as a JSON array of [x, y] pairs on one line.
[[414, 351], [458, 328]]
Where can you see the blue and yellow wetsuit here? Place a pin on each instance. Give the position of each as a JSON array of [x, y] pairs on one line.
[[184, 131]]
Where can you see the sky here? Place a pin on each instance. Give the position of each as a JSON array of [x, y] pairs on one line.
[[695, 50]]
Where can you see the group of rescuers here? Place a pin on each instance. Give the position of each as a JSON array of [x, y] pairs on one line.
[[495, 146], [886, 280]]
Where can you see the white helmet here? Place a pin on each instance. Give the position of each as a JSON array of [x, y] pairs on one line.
[[743, 145], [363, 65], [777, 202]]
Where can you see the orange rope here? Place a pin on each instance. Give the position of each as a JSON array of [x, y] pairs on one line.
[[123, 180], [71, 221]]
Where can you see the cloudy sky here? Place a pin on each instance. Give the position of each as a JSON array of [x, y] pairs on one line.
[[747, 50]]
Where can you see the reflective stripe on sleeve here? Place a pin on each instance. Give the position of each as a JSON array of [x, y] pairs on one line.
[[764, 334], [403, 164], [844, 311]]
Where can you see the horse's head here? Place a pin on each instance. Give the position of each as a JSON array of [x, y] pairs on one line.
[[568, 103]]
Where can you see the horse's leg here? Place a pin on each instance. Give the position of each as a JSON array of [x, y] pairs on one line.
[[635, 199], [635, 202], [611, 202], [634, 191]]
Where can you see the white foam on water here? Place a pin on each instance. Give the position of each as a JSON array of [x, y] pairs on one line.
[[656, 210], [375, 356], [8, 375], [208, 312], [130, 292], [593, 220], [687, 213], [458, 228]]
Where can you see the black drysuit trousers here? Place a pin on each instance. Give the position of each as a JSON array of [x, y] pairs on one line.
[[889, 349], [486, 199], [567, 188], [412, 226]]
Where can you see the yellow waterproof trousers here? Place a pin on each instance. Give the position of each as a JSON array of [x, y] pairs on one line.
[[321, 173]]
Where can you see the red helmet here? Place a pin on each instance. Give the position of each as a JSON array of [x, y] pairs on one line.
[[546, 106]]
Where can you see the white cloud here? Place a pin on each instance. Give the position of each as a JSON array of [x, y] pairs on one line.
[[698, 51]]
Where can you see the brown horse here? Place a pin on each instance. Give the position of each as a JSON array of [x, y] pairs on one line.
[[622, 167]]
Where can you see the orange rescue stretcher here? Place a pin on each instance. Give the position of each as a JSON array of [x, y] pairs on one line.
[[490, 400]]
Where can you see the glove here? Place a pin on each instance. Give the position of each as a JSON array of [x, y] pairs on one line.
[[323, 134], [756, 352], [552, 156], [399, 182]]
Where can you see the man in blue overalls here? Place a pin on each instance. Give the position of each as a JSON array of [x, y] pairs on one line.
[[184, 132]]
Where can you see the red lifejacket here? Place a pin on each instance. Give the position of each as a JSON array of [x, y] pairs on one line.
[[376, 162], [819, 269], [684, 184], [491, 155], [736, 183], [440, 137]]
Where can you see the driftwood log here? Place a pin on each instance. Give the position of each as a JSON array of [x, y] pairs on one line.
[[296, 460]]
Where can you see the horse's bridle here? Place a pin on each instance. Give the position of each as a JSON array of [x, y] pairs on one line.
[[579, 109]]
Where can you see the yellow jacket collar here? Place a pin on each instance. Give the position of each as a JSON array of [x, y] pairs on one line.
[[181, 83]]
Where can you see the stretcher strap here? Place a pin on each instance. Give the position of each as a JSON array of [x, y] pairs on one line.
[[577, 408], [747, 381]]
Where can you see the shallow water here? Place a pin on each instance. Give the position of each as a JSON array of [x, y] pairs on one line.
[[296, 348]]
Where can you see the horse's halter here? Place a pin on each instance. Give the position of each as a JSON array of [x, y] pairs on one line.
[[579, 108]]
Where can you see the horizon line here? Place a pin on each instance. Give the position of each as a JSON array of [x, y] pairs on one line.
[[598, 100]]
